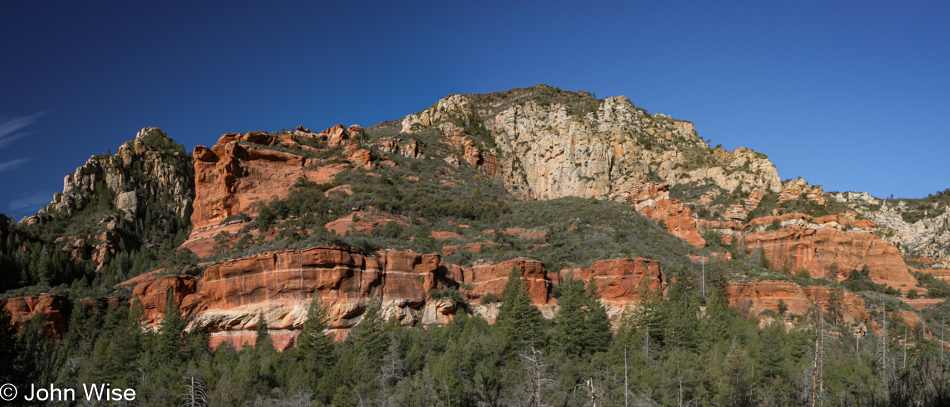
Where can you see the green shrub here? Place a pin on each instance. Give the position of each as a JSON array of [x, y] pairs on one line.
[[490, 298], [860, 280], [451, 293]]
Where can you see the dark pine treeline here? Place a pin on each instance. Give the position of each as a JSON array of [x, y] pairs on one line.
[[668, 352]]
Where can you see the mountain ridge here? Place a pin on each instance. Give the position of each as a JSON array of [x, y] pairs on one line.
[[540, 144]]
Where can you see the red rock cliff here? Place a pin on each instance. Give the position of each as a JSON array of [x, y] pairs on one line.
[[814, 244], [765, 295], [227, 300], [237, 174], [653, 200], [54, 308]]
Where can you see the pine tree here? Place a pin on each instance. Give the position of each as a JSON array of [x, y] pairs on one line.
[[651, 316], [38, 358], [569, 333], [369, 335], [683, 328], [170, 338], [719, 317], [262, 337], [518, 318], [598, 324], [314, 346]]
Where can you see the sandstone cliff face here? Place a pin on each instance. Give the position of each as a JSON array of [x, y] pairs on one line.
[[54, 309], [239, 173], [623, 282], [228, 298], [815, 244], [765, 295], [242, 171]]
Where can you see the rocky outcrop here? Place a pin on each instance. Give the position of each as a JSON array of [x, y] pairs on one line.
[[622, 282], [919, 228], [465, 149], [491, 278], [921, 303], [555, 144], [227, 300], [151, 160], [150, 177], [755, 298], [153, 294], [820, 244], [653, 201], [53, 308], [799, 189], [240, 172], [562, 154], [364, 221], [940, 274], [395, 145]]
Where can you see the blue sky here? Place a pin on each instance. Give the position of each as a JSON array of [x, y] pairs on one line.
[[850, 95]]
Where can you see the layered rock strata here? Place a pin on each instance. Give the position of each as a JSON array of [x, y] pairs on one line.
[[228, 299], [823, 244], [653, 201]]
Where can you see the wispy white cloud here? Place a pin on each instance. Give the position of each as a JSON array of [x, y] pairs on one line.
[[10, 129], [12, 165], [29, 203], [10, 139]]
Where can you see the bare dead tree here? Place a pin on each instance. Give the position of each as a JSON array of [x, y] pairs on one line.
[[535, 367], [882, 362], [626, 389], [821, 344], [817, 380], [195, 395]]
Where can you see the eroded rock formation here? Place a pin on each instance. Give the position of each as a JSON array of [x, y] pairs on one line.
[[820, 245], [754, 298], [227, 300], [623, 282], [579, 146], [53, 308], [653, 201], [239, 173], [150, 177]]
